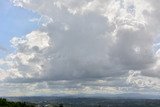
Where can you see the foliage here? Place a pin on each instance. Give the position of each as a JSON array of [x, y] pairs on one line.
[[5, 103]]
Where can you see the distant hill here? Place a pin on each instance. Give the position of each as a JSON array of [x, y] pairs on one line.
[[72, 101]]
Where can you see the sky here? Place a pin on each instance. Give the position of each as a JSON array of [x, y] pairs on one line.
[[79, 47], [13, 18]]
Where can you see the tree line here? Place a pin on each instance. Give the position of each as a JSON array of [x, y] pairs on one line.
[[5, 103]]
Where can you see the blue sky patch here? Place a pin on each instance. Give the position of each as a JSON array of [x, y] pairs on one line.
[[14, 21]]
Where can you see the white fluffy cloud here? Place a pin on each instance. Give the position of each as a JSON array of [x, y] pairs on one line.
[[87, 46]]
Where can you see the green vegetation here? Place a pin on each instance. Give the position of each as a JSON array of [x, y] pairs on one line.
[[5, 103]]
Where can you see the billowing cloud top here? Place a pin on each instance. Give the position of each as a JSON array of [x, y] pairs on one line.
[[86, 47]]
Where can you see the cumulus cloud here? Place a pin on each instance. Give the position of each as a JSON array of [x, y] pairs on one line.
[[88, 46]]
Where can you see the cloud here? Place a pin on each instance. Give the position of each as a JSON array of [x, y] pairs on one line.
[[107, 44]]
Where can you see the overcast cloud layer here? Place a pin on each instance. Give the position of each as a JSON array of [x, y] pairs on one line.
[[86, 47]]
